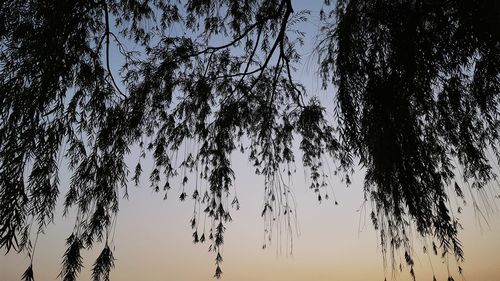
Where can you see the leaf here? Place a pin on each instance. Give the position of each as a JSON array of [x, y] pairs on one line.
[[72, 259], [218, 272], [103, 265], [183, 195], [28, 274]]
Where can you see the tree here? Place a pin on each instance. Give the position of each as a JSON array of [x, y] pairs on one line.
[[417, 98], [418, 95]]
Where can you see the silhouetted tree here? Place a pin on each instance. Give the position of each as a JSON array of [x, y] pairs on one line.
[[417, 97]]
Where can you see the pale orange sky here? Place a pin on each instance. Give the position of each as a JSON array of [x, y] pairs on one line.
[[153, 242]]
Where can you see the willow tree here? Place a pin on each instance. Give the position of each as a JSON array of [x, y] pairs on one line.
[[416, 103]]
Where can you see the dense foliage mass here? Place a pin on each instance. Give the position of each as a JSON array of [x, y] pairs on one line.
[[416, 104]]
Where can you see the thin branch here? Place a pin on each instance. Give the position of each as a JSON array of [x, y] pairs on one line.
[[287, 59], [281, 36], [232, 43], [107, 34], [250, 60]]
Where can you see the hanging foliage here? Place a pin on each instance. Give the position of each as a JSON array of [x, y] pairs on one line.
[[416, 103]]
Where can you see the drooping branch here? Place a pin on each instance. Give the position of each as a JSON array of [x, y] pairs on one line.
[[107, 34]]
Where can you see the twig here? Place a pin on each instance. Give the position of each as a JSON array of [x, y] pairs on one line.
[[107, 34]]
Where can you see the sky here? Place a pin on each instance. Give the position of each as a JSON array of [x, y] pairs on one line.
[[153, 242], [153, 239]]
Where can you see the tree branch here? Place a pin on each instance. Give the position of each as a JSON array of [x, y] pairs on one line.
[[107, 34]]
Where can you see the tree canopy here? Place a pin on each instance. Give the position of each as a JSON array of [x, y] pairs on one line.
[[415, 99]]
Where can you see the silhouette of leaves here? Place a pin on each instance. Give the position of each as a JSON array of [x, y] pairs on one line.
[[410, 110], [28, 274], [416, 105], [103, 265], [72, 259]]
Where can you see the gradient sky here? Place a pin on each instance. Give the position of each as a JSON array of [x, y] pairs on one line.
[[153, 237], [153, 242]]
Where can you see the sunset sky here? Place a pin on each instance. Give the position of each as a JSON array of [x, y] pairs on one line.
[[153, 239], [153, 242]]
